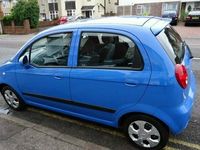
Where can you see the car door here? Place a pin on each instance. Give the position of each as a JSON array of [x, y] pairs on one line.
[[111, 70], [44, 81]]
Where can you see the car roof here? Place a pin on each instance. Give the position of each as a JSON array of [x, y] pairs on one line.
[[170, 11], [195, 12], [121, 22]]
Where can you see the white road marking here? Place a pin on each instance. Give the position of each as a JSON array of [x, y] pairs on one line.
[[4, 111], [196, 58]]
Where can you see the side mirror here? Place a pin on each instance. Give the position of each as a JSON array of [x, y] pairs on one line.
[[24, 60]]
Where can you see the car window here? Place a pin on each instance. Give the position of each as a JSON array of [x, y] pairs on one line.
[[51, 50], [107, 50], [172, 43]]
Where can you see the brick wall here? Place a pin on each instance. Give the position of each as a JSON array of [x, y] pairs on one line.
[[155, 9], [25, 29], [48, 23]]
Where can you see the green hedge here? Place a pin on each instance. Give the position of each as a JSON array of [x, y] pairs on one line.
[[26, 9], [7, 20]]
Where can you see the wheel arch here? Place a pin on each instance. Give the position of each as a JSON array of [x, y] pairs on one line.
[[148, 110], [2, 85], [127, 115]]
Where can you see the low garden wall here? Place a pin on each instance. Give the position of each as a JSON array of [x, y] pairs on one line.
[[48, 23], [13, 29]]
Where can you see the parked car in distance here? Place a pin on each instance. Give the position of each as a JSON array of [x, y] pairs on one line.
[[172, 15], [63, 20], [193, 18], [68, 19], [77, 18], [132, 73]]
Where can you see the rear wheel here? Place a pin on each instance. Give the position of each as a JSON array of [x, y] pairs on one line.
[[146, 132], [12, 98]]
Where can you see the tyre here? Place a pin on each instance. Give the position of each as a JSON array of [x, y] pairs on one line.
[[145, 132], [186, 24], [12, 98]]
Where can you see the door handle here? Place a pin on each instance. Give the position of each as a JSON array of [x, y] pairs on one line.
[[58, 77], [130, 84]]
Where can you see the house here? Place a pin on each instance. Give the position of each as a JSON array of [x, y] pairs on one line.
[[87, 8], [51, 9], [6, 6], [156, 7], [1, 16], [1, 11], [111, 7]]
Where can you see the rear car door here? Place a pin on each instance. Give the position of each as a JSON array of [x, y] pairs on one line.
[[110, 71]]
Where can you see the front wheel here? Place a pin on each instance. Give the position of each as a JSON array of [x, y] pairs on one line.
[[12, 98], [146, 132]]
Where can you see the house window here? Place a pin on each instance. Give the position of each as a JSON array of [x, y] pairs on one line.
[[70, 7], [53, 15], [170, 6], [70, 12], [53, 9], [143, 9], [197, 6], [6, 4], [52, 1]]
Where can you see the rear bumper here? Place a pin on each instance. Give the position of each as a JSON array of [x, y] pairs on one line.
[[174, 21], [180, 116], [187, 22]]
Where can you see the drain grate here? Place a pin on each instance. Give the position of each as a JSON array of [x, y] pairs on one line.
[[4, 110]]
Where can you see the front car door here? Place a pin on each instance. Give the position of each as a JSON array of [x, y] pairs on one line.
[[111, 71], [45, 80]]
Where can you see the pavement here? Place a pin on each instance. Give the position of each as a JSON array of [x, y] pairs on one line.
[[188, 31], [36, 129]]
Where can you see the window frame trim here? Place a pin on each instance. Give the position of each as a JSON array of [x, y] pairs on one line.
[[107, 68], [30, 49]]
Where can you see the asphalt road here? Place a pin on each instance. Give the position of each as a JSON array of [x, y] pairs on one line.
[[63, 128]]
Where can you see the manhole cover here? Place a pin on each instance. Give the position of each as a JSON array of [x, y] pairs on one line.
[[4, 110]]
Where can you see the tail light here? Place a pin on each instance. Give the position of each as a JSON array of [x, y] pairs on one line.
[[189, 17], [181, 75], [174, 17]]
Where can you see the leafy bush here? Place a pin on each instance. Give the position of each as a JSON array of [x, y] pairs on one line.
[[7, 20], [189, 8], [145, 14], [183, 15], [26, 9]]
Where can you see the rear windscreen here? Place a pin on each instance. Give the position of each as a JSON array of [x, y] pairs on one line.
[[172, 43]]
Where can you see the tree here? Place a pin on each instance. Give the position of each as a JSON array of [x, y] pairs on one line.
[[189, 8], [26, 9]]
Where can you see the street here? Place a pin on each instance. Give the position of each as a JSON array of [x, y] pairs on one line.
[[36, 129]]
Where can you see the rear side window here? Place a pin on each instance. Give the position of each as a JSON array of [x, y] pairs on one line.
[[107, 50], [172, 43]]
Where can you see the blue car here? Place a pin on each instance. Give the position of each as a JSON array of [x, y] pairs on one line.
[[132, 73]]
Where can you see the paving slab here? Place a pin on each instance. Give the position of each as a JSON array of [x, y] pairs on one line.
[[9, 129], [30, 139]]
